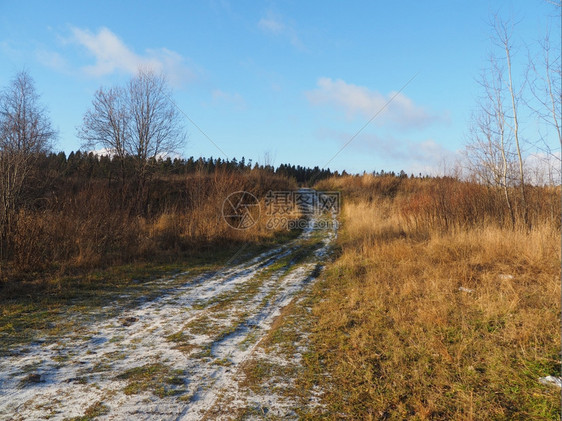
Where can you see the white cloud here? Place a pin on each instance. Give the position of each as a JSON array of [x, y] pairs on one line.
[[113, 55], [275, 25], [51, 59], [234, 99], [426, 156], [542, 168], [358, 100], [110, 152], [271, 25]]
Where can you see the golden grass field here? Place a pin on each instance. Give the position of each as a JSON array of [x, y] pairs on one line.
[[430, 320]]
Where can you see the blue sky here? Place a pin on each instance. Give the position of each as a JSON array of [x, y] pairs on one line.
[[292, 81]]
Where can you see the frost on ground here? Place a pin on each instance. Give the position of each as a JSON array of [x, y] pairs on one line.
[[176, 357]]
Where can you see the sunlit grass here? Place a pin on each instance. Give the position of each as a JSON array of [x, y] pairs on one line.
[[437, 324]]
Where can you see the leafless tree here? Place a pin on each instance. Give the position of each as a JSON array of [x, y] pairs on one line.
[[546, 86], [502, 37], [139, 121], [155, 123], [155, 127], [497, 150], [107, 123], [25, 132], [490, 149]]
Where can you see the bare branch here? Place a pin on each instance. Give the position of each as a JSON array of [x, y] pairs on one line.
[[25, 132]]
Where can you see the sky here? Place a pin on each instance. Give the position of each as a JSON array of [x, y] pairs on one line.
[[356, 86]]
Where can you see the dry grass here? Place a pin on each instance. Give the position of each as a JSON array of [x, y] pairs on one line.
[[88, 225], [414, 321]]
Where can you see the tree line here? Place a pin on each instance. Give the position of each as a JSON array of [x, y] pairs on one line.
[[95, 165]]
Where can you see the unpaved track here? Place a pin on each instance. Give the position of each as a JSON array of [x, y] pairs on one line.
[[170, 358]]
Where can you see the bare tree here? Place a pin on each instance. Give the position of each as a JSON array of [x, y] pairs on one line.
[[502, 38], [483, 151], [498, 152], [489, 151], [139, 121], [25, 132], [503, 34], [107, 123], [155, 124], [546, 87]]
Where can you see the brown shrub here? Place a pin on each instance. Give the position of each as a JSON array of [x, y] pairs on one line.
[[85, 225]]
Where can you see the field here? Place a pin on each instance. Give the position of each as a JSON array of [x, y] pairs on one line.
[[434, 315], [427, 303], [248, 211]]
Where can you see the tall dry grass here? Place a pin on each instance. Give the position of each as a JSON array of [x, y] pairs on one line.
[[84, 225], [444, 203], [435, 320]]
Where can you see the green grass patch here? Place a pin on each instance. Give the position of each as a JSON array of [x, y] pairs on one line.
[[95, 410], [157, 378]]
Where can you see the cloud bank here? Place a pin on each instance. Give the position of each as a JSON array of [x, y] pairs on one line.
[[356, 100], [426, 156], [113, 55]]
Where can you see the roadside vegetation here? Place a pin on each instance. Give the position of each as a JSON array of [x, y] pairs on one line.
[[79, 242], [133, 201], [437, 307]]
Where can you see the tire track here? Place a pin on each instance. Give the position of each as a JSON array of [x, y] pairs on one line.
[[218, 318]]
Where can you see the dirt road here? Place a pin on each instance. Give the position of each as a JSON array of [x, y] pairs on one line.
[[176, 357]]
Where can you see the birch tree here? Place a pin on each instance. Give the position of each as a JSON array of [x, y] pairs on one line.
[[490, 149], [25, 132], [502, 37]]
